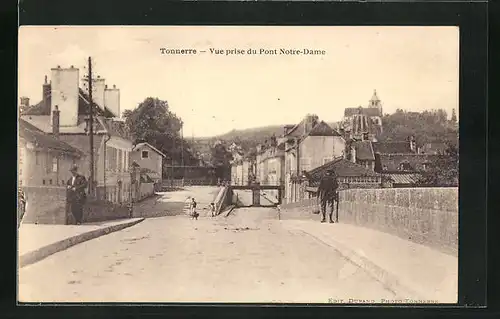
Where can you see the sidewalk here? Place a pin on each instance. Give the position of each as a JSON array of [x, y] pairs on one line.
[[36, 242], [411, 270]]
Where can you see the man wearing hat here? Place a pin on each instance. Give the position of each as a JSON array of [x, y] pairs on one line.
[[76, 194], [327, 192]]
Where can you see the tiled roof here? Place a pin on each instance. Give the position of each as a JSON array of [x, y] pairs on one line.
[[403, 178], [392, 162], [364, 150], [150, 146], [342, 167], [392, 147], [322, 129], [368, 111], [32, 134], [42, 122], [42, 108], [297, 130]]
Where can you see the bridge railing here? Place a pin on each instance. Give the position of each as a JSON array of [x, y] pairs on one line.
[[428, 216]]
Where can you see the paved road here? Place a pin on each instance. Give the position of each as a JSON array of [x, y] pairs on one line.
[[243, 258]]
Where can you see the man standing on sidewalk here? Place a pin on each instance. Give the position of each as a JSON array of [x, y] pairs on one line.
[[327, 192], [76, 194]]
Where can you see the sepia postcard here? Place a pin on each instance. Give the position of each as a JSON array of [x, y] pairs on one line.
[[247, 164]]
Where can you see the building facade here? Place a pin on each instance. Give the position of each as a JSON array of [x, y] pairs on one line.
[[149, 157], [112, 143], [308, 145], [43, 160]]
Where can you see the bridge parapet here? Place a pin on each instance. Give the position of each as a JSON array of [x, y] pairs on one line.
[[427, 216]]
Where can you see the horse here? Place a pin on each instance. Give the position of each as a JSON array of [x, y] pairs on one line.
[[328, 194]]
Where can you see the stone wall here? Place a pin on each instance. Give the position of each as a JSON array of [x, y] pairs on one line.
[[100, 210], [45, 205], [427, 216]]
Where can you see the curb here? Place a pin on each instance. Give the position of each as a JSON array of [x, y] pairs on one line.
[[44, 252], [387, 279]]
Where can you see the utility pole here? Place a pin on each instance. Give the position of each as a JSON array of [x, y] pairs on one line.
[[91, 131], [182, 153]]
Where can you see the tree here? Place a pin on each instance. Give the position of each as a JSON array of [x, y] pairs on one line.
[[426, 126], [220, 159], [154, 123], [454, 120], [443, 171]]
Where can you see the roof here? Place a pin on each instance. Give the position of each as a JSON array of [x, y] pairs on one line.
[[32, 134], [342, 167], [368, 111], [81, 142], [392, 147], [152, 174], [145, 178], [42, 108], [42, 122], [139, 145], [322, 129], [391, 162], [364, 150], [403, 178]]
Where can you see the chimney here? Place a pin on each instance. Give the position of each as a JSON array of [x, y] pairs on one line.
[[25, 101], [64, 94], [98, 88], [46, 93], [112, 100], [309, 123], [55, 121]]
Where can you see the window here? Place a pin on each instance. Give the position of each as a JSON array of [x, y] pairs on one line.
[[37, 158], [54, 164], [62, 182], [43, 182], [144, 154], [50, 182]]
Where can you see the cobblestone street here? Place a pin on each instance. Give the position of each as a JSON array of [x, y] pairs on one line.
[[245, 257]]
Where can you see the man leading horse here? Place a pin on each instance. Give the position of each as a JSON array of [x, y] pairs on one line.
[[328, 194]]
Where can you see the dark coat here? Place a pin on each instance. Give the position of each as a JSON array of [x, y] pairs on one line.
[[328, 187], [77, 195]]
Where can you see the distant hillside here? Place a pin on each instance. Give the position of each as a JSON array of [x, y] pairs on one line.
[[427, 126], [251, 134]]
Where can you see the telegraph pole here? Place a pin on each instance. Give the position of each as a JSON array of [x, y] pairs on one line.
[[91, 131], [182, 153]]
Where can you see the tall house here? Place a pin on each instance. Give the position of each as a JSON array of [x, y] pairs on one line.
[[112, 143], [309, 144]]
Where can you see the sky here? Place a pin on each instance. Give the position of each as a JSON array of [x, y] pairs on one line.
[[412, 68]]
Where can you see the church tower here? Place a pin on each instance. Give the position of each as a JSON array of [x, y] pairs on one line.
[[375, 102]]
